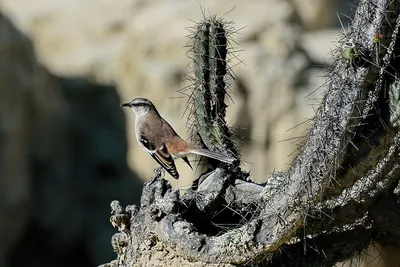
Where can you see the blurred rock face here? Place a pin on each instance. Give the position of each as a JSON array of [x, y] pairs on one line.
[[15, 118], [139, 45], [63, 142], [63, 160]]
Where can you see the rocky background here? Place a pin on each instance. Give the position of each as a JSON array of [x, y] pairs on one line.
[[67, 149]]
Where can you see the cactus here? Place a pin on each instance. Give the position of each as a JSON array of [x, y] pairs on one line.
[[209, 50]]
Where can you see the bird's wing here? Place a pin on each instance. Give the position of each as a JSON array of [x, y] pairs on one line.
[[161, 155], [164, 158]]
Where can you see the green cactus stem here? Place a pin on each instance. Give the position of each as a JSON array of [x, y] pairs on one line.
[[209, 52]]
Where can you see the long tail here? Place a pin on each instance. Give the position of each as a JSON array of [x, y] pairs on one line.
[[213, 155]]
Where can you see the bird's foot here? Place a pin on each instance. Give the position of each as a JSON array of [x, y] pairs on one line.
[[159, 172]]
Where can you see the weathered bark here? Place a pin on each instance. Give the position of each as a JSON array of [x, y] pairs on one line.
[[340, 194]]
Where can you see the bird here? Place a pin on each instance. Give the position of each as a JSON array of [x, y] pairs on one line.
[[156, 136]]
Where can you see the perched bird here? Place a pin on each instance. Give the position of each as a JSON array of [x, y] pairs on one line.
[[160, 140]]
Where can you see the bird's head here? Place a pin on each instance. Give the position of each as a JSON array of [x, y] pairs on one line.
[[140, 106]]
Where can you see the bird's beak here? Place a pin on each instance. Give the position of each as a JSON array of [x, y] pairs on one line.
[[124, 105]]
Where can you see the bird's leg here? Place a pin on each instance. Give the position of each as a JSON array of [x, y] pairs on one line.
[[159, 171]]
